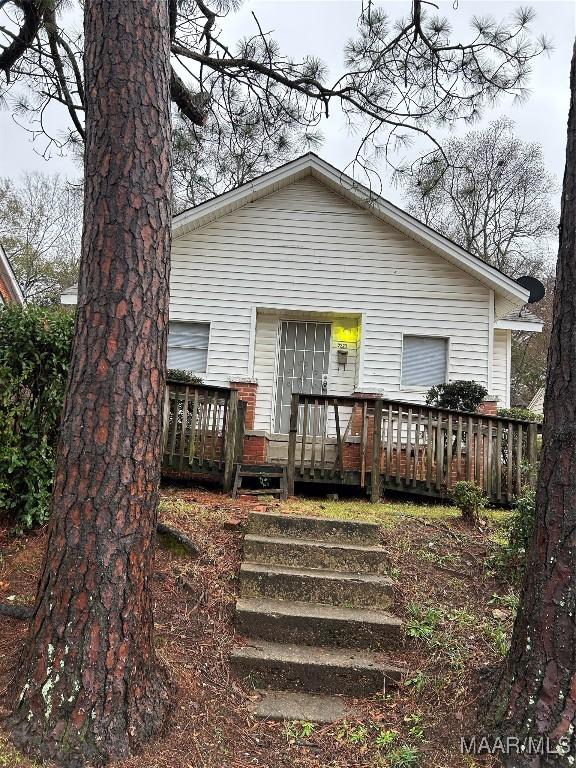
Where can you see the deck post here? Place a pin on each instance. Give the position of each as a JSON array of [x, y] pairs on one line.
[[376, 452], [230, 440], [291, 469], [532, 453]]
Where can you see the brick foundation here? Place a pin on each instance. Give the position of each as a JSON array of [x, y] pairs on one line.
[[4, 293]]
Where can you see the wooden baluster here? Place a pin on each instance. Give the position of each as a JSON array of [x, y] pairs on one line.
[[165, 420], [174, 426], [519, 460], [409, 447], [439, 451], [389, 438], [450, 452], [184, 429], [323, 430], [304, 434], [399, 446], [376, 452], [363, 439], [510, 467], [192, 446], [417, 449], [205, 422], [314, 438], [459, 472], [339, 441], [499, 461], [470, 449], [429, 451], [292, 437], [479, 452], [214, 435], [489, 459]]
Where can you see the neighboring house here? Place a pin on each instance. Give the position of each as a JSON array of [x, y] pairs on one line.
[[303, 280], [537, 402], [9, 289]]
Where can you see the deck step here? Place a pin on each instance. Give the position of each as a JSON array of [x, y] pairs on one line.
[[287, 705], [298, 553], [316, 528], [313, 624], [260, 472], [358, 590], [260, 492], [315, 670]]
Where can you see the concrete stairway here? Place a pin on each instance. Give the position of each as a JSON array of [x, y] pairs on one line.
[[315, 608]]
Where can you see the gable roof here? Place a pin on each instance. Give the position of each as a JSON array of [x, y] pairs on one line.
[[8, 278], [312, 165]]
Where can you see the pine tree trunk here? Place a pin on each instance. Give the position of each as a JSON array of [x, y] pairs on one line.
[[90, 686], [537, 693]]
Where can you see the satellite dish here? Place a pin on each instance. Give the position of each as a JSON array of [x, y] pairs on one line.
[[533, 285]]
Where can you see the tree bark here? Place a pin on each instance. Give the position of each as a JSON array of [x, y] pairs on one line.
[[90, 687], [536, 695]]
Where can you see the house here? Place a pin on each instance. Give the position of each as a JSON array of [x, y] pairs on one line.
[[303, 280], [9, 289], [537, 403]]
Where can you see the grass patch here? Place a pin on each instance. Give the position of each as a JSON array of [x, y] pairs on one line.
[[385, 513]]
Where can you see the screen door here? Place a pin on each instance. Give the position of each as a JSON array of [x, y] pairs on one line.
[[302, 366]]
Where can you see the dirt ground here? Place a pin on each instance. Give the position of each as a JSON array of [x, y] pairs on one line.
[[457, 614]]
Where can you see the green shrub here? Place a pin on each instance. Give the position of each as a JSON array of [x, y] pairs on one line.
[[174, 374], [521, 525], [525, 414], [470, 499], [457, 395], [34, 355]]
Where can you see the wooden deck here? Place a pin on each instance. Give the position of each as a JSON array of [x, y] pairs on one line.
[[372, 444]]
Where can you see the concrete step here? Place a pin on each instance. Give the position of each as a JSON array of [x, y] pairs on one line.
[[286, 705], [312, 624], [352, 590], [315, 670], [315, 528], [298, 553]]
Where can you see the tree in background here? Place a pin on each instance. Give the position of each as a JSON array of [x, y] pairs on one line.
[[40, 228], [90, 686], [536, 695], [491, 193], [530, 350]]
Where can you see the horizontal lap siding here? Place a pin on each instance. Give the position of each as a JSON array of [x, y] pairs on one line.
[[306, 248], [500, 372]]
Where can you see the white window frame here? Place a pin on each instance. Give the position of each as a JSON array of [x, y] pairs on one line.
[[192, 322], [424, 335]]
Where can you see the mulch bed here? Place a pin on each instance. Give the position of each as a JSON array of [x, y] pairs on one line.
[[438, 565]]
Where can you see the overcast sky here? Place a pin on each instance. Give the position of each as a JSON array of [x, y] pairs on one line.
[[322, 28]]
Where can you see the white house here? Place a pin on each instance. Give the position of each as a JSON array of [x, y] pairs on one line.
[[304, 280]]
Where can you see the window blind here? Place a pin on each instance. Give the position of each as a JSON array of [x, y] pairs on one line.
[[424, 361], [188, 346]]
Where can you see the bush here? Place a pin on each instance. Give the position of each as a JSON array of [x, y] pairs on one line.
[[470, 499], [173, 374], [34, 355], [521, 525], [457, 395], [525, 414]]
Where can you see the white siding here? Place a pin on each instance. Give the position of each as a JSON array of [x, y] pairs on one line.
[[305, 248], [501, 368]]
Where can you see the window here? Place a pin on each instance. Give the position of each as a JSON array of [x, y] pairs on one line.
[[188, 346], [424, 361]]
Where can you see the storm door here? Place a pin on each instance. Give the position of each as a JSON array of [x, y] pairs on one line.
[[304, 356]]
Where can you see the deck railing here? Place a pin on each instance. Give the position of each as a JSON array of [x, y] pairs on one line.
[[409, 446], [203, 429]]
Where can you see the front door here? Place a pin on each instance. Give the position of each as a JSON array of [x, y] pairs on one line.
[[302, 366]]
